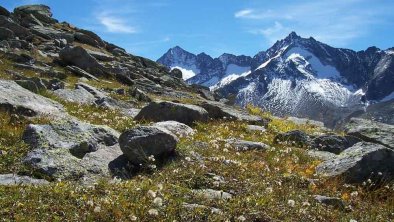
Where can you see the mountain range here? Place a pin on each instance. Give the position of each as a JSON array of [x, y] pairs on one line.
[[296, 76]]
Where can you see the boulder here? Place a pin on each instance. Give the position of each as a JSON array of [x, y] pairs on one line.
[[179, 129], [49, 33], [163, 111], [255, 128], [243, 145], [12, 179], [139, 143], [321, 155], [361, 162], [28, 84], [41, 12], [79, 57], [16, 99], [70, 149], [101, 56], [93, 36], [331, 143], [18, 30], [217, 110], [79, 95], [371, 131], [176, 73], [80, 72], [6, 34], [139, 94], [330, 201], [294, 137]]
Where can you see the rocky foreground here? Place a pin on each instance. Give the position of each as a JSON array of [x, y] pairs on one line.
[[90, 132]]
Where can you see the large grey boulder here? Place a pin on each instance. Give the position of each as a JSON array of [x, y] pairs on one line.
[[293, 137], [179, 129], [361, 162], [101, 56], [12, 179], [163, 111], [78, 95], [79, 57], [88, 37], [41, 12], [332, 143], [71, 149], [16, 99], [139, 143], [371, 131], [4, 11], [217, 110]]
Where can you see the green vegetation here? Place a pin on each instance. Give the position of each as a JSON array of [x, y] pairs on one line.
[[272, 185]]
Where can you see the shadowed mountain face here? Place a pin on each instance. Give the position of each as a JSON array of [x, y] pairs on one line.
[[299, 76]]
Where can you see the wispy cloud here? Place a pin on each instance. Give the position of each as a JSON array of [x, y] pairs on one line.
[[152, 42], [115, 24], [336, 22]]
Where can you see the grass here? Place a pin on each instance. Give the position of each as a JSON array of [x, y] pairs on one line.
[[263, 183]]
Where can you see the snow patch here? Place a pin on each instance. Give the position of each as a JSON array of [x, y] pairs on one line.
[[228, 79], [187, 72], [322, 71]]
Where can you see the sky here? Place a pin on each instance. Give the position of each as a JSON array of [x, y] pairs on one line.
[[243, 27]]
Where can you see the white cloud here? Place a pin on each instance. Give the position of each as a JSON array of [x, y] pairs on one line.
[[335, 22], [115, 24]]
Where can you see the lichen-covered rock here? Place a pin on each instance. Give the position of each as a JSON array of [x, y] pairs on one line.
[[40, 12], [361, 162], [12, 179], [371, 131], [79, 57], [294, 137], [163, 111], [331, 143], [139, 143], [331, 201], [217, 110], [71, 149], [16, 99], [179, 129], [213, 194]]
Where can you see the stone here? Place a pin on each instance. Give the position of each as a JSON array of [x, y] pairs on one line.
[[80, 72], [139, 143], [255, 128], [179, 129], [41, 12], [337, 203], [49, 33], [331, 143], [139, 94], [70, 149], [213, 194], [217, 110], [10, 24], [79, 57], [304, 121], [176, 73], [295, 137], [321, 155], [16, 180], [93, 36], [361, 162], [124, 79], [79, 95], [28, 84], [101, 56], [16, 99], [163, 111], [6, 34], [243, 145], [371, 131], [82, 38]]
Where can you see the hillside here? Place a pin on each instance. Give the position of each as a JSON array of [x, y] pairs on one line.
[[90, 132]]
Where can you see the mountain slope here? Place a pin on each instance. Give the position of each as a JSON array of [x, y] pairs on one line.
[[306, 78]]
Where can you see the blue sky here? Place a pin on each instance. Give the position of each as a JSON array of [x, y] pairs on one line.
[[149, 28]]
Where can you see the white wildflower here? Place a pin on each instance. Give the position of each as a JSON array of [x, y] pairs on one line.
[[158, 202], [291, 203], [153, 212]]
